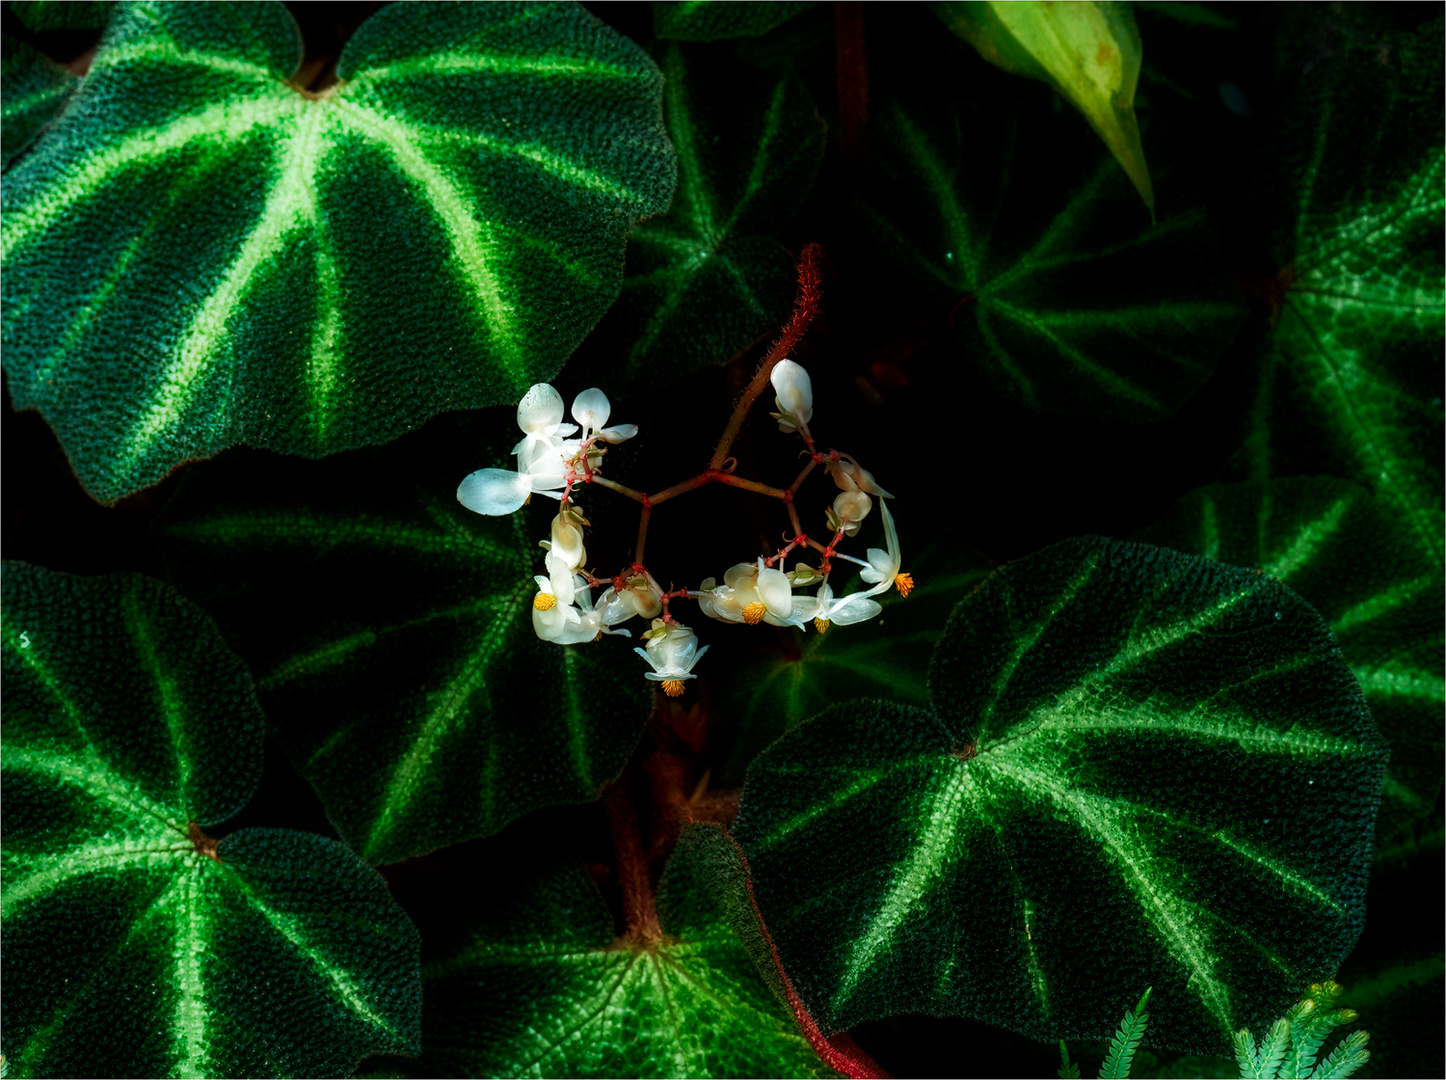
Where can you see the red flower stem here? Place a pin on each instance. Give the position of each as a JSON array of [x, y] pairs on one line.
[[805, 306], [613, 485], [798, 481], [793, 520], [753, 485], [702, 479], [644, 516], [639, 909]]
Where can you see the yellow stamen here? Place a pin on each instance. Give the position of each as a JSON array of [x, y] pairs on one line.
[[753, 613], [673, 687], [822, 625], [544, 601], [905, 583]]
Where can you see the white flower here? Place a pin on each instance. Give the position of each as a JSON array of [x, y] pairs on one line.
[[539, 415], [856, 607], [552, 610], [590, 620], [591, 409], [566, 541], [752, 593], [849, 510], [853, 477], [795, 395], [883, 568], [638, 597], [672, 655]]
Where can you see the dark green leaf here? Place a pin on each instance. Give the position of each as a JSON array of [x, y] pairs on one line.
[[778, 688], [134, 945], [63, 14], [235, 260], [35, 91], [1068, 303], [714, 20], [1353, 384], [1351, 558], [391, 633], [540, 987], [708, 279], [1141, 768]]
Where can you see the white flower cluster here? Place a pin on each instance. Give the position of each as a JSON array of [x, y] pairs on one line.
[[550, 461]]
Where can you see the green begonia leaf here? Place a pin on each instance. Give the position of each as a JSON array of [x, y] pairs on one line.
[[1141, 768], [136, 946], [1089, 52], [1351, 559], [538, 986], [63, 14], [776, 689], [1068, 303], [35, 91], [390, 630], [1352, 386], [708, 279], [238, 261], [715, 20]]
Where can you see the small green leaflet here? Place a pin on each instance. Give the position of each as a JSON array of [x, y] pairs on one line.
[[708, 279], [716, 20], [1075, 303], [539, 986], [35, 91], [1056, 819], [241, 261], [1352, 386], [1345, 553], [135, 945], [391, 635]]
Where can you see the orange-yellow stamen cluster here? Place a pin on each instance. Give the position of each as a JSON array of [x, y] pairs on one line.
[[673, 687], [821, 625], [905, 583], [544, 601], [754, 612]]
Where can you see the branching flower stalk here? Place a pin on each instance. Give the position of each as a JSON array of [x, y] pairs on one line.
[[552, 462]]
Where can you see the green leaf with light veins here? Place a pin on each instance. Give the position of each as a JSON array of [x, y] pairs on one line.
[[1140, 767], [1089, 52], [716, 20], [1345, 553], [708, 279], [391, 633], [135, 946], [35, 91], [539, 986], [1352, 385], [238, 261], [1067, 302]]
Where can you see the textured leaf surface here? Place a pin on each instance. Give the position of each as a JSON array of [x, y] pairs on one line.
[[1141, 768], [708, 279], [777, 689], [1351, 559], [1089, 52], [235, 261], [63, 14], [131, 949], [391, 633], [1068, 303], [539, 987], [715, 20], [1353, 384], [35, 91]]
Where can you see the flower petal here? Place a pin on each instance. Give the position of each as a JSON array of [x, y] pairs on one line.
[[591, 408], [494, 491], [621, 433], [539, 409]]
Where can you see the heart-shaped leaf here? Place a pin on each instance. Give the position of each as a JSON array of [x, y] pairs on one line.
[[391, 633], [539, 986], [708, 279], [1068, 302], [1141, 769], [240, 260], [136, 945], [1352, 386], [1352, 559], [1089, 52], [35, 91], [711, 20]]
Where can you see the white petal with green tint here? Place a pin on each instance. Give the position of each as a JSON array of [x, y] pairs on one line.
[[237, 260], [135, 945], [1056, 818]]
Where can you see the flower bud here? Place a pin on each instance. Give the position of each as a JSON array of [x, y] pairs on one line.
[[795, 394]]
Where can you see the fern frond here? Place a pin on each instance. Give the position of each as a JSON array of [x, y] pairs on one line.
[[1312, 1021], [1273, 1049], [1127, 1040], [1247, 1055], [1345, 1059], [1067, 1071]]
